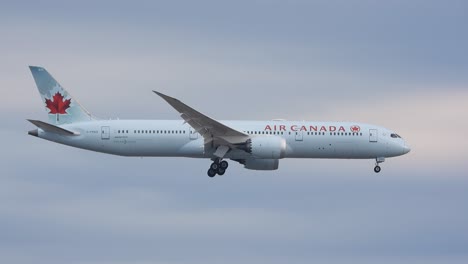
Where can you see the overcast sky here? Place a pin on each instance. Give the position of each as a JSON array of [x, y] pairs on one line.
[[399, 64]]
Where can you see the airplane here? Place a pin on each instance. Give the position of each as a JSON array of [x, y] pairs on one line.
[[257, 145]]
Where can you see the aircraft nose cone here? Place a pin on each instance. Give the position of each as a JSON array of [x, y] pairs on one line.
[[406, 149]]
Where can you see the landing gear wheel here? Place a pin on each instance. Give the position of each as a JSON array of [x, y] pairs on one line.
[[211, 173], [218, 167], [377, 169], [221, 171], [214, 166], [378, 160], [224, 164]]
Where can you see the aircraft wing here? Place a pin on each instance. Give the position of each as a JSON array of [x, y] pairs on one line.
[[210, 129]]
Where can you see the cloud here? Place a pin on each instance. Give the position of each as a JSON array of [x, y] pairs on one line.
[[432, 122], [267, 219], [321, 60]]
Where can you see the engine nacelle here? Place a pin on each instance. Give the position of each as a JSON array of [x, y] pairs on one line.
[[270, 147], [261, 164]]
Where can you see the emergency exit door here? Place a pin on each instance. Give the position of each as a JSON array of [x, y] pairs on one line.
[[373, 135], [193, 134], [105, 132], [299, 136]]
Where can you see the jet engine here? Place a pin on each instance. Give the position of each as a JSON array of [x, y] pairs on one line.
[[270, 147]]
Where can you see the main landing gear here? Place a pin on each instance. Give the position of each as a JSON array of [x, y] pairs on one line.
[[377, 168], [218, 167]]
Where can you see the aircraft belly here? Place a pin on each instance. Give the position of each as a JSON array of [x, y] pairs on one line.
[[140, 147], [329, 149], [156, 147]]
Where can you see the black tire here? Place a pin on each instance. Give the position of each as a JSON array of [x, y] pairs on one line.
[[224, 164], [214, 166], [221, 171], [211, 173], [377, 169]]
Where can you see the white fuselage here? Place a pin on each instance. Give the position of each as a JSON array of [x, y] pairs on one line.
[[174, 138], [258, 145]]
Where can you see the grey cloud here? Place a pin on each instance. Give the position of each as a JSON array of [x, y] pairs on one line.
[[384, 63]]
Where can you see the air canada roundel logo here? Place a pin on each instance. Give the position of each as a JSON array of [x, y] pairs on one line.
[[355, 129], [58, 105]]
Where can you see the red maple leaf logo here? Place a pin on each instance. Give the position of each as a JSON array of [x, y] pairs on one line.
[[57, 105], [355, 129]]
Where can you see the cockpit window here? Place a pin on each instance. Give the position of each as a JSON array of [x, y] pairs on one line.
[[395, 135]]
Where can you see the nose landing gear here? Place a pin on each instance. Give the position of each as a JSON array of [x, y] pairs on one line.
[[218, 167], [377, 168]]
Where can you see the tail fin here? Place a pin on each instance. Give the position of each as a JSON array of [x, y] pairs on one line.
[[61, 107]]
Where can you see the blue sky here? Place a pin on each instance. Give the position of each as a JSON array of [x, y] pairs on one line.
[[400, 64]]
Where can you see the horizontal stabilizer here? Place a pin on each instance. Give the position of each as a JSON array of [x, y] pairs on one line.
[[53, 129]]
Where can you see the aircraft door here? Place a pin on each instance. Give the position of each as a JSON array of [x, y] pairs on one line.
[[105, 132], [299, 136], [373, 135], [193, 134]]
